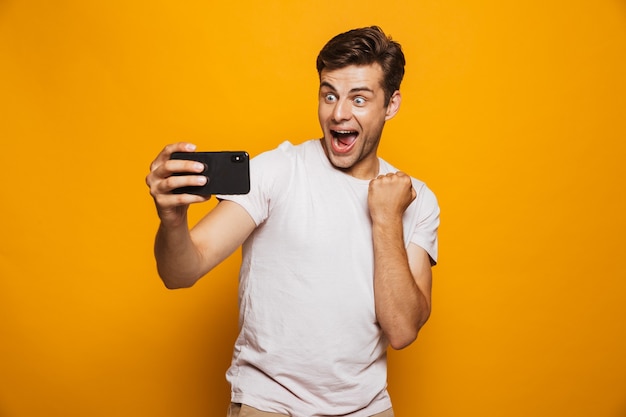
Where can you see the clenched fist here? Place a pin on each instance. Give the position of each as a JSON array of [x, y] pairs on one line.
[[389, 196]]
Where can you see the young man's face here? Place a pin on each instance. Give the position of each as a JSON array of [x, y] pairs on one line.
[[352, 114]]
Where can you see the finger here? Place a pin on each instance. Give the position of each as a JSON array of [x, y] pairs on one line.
[[167, 152], [179, 147], [174, 174], [177, 181], [174, 167]]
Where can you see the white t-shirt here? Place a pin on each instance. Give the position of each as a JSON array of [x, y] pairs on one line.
[[309, 342]]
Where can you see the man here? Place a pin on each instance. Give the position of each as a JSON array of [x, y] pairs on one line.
[[337, 247]]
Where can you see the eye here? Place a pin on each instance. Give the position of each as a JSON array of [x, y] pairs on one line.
[[359, 101], [330, 97]]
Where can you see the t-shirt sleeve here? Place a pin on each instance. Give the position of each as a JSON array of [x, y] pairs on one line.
[[427, 225]]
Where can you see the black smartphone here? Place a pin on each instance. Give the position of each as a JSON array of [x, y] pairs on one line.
[[228, 172]]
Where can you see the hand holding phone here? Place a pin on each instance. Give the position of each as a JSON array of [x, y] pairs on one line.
[[227, 172]]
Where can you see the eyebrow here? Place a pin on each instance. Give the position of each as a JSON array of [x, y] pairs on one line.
[[353, 90]]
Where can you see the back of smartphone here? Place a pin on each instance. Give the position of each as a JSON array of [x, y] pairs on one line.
[[228, 172]]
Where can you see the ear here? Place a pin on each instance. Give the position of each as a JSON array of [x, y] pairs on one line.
[[394, 105]]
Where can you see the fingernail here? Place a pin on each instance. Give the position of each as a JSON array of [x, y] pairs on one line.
[[190, 147]]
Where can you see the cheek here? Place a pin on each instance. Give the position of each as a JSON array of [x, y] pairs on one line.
[[324, 115], [368, 119], [322, 111]]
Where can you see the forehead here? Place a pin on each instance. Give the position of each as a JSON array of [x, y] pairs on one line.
[[353, 76]]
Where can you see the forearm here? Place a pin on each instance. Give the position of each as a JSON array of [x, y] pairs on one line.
[[401, 306], [179, 262], [184, 256]]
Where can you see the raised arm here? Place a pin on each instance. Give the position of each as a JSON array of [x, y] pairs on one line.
[[402, 277], [183, 256]]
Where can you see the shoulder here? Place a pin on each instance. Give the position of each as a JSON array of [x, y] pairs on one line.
[[275, 170], [285, 151], [273, 156], [285, 159]]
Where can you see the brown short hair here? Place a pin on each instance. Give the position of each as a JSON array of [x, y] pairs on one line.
[[365, 46]]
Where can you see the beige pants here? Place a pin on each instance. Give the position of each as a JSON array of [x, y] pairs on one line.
[[239, 410]]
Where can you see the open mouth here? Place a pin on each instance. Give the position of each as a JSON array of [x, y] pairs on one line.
[[343, 140]]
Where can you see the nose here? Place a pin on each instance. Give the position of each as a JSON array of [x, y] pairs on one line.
[[342, 111]]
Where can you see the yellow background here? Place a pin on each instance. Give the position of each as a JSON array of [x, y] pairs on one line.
[[513, 113]]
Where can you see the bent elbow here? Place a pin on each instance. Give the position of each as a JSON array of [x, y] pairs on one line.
[[175, 282], [403, 337], [175, 285], [400, 342]]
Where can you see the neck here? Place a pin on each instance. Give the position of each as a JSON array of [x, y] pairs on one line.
[[364, 170]]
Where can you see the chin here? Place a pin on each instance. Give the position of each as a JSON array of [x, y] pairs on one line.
[[342, 162]]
